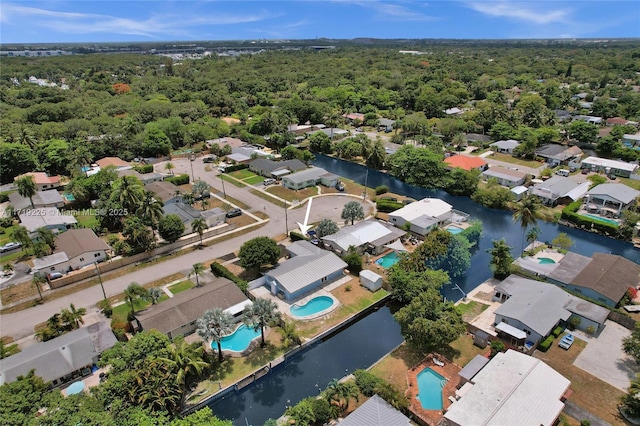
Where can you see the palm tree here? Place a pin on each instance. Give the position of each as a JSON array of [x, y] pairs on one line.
[[339, 394], [199, 225], [73, 316], [79, 158], [134, 292], [527, 211], [533, 234], [213, 326], [185, 360], [290, 336], [36, 281], [198, 268], [45, 235], [150, 209], [204, 203], [128, 192], [154, 295], [26, 187], [169, 166], [21, 235], [260, 314]]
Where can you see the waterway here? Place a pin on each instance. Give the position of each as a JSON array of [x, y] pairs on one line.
[[496, 224], [308, 372]]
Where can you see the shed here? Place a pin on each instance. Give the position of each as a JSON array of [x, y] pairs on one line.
[[471, 369], [481, 339], [370, 280]]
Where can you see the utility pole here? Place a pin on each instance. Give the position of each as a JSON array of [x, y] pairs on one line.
[[286, 221], [100, 279], [224, 193], [191, 160], [366, 178]]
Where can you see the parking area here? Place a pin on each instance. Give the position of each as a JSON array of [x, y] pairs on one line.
[[603, 357]]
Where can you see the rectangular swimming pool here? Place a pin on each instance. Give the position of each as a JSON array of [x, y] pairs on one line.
[[601, 219]]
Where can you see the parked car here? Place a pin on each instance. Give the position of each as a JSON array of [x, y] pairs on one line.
[[55, 276], [585, 171], [234, 213], [566, 342], [10, 246], [340, 186], [268, 182], [208, 158]]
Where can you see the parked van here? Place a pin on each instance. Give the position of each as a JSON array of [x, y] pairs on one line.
[[563, 172], [268, 181]]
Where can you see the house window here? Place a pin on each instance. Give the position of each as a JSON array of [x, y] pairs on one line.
[[82, 259], [323, 279]]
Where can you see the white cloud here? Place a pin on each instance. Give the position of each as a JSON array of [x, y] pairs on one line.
[[393, 11], [155, 25], [510, 9]]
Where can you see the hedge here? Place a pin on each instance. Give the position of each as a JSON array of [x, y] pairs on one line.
[[557, 331], [296, 236], [220, 271], [178, 180], [569, 214], [546, 343], [229, 169], [387, 206], [144, 169], [381, 189]]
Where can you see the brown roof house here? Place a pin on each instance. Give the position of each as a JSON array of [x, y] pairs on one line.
[[605, 278], [177, 316], [165, 191], [116, 162], [75, 249]]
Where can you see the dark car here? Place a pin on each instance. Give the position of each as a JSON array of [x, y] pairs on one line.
[[340, 186], [234, 213], [585, 171]]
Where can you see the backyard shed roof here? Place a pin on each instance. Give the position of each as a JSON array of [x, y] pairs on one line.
[[473, 367]]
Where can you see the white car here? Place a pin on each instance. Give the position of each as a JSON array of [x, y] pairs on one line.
[[10, 246]]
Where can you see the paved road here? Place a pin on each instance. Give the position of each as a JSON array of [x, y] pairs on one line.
[[20, 324]]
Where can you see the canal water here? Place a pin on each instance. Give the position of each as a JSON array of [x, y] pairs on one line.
[[309, 371], [496, 224]]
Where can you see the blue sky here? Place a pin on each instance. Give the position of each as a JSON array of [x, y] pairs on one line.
[[120, 20]]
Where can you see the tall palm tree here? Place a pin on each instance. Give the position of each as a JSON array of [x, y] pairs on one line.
[[260, 314], [36, 281], [198, 268], [199, 225], [134, 292], [169, 167], [185, 360], [45, 235], [79, 158], [339, 393], [213, 326], [533, 234], [527, 212], [128, 192], [204, 203], [21, 235], [154, 294], [150, 209], [73, 316], [26, 187]]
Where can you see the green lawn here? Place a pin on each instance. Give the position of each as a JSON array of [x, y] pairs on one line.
[[635, 184], [513, 160], [87, 220], [5, 237], [267, 198], [254, 179], [242, 174], [471, 310], [232, 181], [181, 286], [11, 256], [120, 312]]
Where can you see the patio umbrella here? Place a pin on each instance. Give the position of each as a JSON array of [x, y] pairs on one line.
[[75, 388]]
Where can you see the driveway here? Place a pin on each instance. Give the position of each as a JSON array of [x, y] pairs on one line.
[[603, 357]]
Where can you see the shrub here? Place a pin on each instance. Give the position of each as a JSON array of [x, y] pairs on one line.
[[496, 347], [144, 169], [557, 331], [367, 382], [220, 271], [570, 215], [105, 307], [235, 167], [387, 206], [354, 263], [591, 330], [178, 180], [574, 323], [4, 197], [546, 343], [382, 189], [296, 236]]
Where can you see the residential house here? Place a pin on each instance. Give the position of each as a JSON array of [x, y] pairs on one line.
[[75, 249], [505, 177], [556, 154], [354, 118], [477, 137], [513, 388], [164, 191], [42, 180], [610, 167], [466, 162], [423, 215], [470, 370], [332, 132], [177, 316], [276, 169], [562, 115], [41, 199], [371, 236], [605, 278], [519, 192], [376, 412], [631, 141], [453, 111], [144, 178], [244, 154], [588, 118], [50, 218], [505, 146], [386, 125], [188, 214], [610, 198], [619, 121], [531, 309], [559, 190], [116, 162], [61, 359], [310, 177], [214, 217], [308, 268]]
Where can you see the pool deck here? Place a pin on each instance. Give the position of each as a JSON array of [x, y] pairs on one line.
[[449, 371]]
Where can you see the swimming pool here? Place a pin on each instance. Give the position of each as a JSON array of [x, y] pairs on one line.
[[388, 260], [545, 261], [430, 386], [313, 306], [454, 229], [69, 197], [601, 219], [237, 341]]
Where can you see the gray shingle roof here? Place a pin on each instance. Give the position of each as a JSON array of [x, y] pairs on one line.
[[620, 192], [60, 356], [609, 275], [268, 166], [473, 366], [555, 187], [74, 242], [375, 412], [569, 267], [163, 190], [503, 173]]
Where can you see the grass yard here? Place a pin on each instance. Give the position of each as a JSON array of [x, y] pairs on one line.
[[635, 184], [268, 198], [471, 310], [10, 256], [290, 194], [254, 179], [181, 286], [507, 158], [242, 174], [589, 392], [232, 181], [120, 312], [89, 220]]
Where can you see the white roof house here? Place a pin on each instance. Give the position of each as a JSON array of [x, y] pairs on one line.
[[50, 218], [614, 191], [505, 177], [423, 215], [513, 388], [369, 232], [557, 187], [622, 167], [505, 145]]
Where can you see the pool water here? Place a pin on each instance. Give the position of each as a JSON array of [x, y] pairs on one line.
[[430, 386], [454, 229], [545, 261], [69, 197], [388, 260], [313, 306], [601, 219], [237, 341]]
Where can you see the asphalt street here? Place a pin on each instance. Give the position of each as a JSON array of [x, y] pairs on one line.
[[20, 324]]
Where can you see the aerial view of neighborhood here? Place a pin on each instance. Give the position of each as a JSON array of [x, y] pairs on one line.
[[348, 231]]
